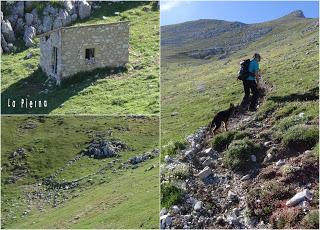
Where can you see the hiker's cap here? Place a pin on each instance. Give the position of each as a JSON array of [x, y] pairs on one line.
[[256, 55]]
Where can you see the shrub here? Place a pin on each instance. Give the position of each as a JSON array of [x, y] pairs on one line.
[[311, 220], [173, 148], [301, 136], [170, 195], [181, 171], [222, 140], [285, 218], [237, 157]]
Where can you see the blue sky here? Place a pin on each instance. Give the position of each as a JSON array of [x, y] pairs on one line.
[[176, 11]]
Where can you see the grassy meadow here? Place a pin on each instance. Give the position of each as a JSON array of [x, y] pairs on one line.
[[108, 197], [132, 90]]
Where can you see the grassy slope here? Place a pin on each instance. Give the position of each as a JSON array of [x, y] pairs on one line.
[[285, 64], [133, 91], [126, 199]]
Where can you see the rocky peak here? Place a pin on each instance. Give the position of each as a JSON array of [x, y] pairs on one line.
[[294, 14]]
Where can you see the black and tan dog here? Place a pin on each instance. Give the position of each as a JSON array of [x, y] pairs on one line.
[[222, 116]]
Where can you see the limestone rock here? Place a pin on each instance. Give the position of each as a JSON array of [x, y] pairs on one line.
[[57, 23], [299, 197], [7, 31], [28, 18], [74, 17], [203, 174], [4, 44], [84, 9], [18, 9], [280, 162], [49, 10], [35, 15], [12, 19], [47, 23], [69, 6], [198, 206], [29, 33]]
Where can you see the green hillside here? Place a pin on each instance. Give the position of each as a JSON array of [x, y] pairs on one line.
[[48, 182], [289, 62], [245, 177], [133, 90]]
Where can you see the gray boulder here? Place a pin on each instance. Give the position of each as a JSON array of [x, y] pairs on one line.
[[63, 16], [299, 197], [11, 47], [47, 23], [69, 6], [57, 23], [7, 31], [1, 15], [74, 17], [35, 15], [28, 18], [18, 9], [29, 33], [84, 9], [4, 44], [49, 10], [13, 19]]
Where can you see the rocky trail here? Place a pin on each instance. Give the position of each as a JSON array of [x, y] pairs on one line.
[[213, 195]]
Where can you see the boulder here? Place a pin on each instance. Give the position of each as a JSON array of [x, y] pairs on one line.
[[18, 9], [203, 174], [299, 197], [64, 17], [4, 44], [69, 6], [74, 17], [28, 18], [11, 47], [280, 162], [1, 15], [84, 9], [13, 19], [47, 23], [35, 15], [57, 23], [245, 177], [29, 33], [49, 10], [7, 31], [198, 206]]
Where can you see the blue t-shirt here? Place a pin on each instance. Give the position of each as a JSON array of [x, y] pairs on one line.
[[253, 67]]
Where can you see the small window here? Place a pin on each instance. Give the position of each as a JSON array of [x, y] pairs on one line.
[[90, 53]]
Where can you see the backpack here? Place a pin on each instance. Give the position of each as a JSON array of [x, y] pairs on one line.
[[244, 70]]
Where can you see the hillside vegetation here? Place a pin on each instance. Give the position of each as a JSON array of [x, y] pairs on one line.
[[242, 178], [132, 90], [48, 180]]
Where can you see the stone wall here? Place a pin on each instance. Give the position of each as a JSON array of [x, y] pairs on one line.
[[110, 43], [47, 42]]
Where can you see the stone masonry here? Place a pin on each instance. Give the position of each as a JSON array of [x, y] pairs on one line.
[[70, 50]]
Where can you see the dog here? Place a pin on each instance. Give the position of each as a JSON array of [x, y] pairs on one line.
[[222, 116]]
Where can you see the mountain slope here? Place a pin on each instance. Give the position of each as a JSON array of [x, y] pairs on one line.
[[243, 177], [134, 90], [49, 181]]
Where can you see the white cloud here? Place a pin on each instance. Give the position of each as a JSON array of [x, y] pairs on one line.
[[168, 5]]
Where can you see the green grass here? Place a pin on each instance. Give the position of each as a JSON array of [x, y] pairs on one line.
[[301, 136], [170, 195], [289, 63], [134, 90], [123, 199]]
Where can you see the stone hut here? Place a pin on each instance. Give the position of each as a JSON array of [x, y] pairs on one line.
[[69, 50]]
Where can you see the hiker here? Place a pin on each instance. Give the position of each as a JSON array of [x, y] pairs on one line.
[[250, 84]]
